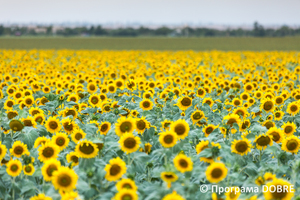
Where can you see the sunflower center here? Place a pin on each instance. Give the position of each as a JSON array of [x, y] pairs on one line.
[[241, 146], [119, 84], [216, 173], [146, 104], [277, 114], [197, 115], [183, 163], [269, 125], [27, 169], [28, 101], [125, 126], [186, 101], [180, 129], [231, 121], [141, 124], [78, 136], [68, 126], [70, 112], [10, 104], [245, 125], [237, 103], [92, 87], [74, 159], [130, 143], [64, 180], [86, 149], [288, 129], [27, 123], [48, 152], [169, 176], [168, 139], [60, 141], [279, 194], [279, 100], [14, 168], [18, 150], [115, 169], [104, 127], [127, 186], [291, 145], [94, 100], [126, 197], [268, 106], [294, 108], [263, 141], [53, 125], [200, 92], [209, 130], [275, 135]]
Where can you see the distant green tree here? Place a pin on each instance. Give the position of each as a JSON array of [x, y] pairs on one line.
[[1, 30], [258, 30]]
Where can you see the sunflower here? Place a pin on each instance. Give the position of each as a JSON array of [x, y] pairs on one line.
[[181, 128], [236, 102], [147, 148], [244, 96], [208, 101], [64, 179], [14, 168], [8, 104], [262, 141], [28, 169], [279, 100], [293, 108], [73, 158], [209, 129], [242, 112], [92, 87], [104, 128], [53, 125], [86, 149], [289, 128], [28, 101], [134, 113], [166, 124], [205, 144], [168, 177], [269, 176], [276, 133], [216, 172], [269, 124], [47, 151], [242, 147], [40, 140], [40, 196], [18, 149], [69, 125], [126, 195], [183, 163], [244, 125], [124, 125], [77, 135], [11, 114], [231, 119], [291, 144], [39, 119], [127, 184], [146, 104], [3, 150], [61, 140], [267, 104], [200, 92], [94, 100], [168, 139], [184, 102], [278, 115], [16, 125], [283, 194], [115, 169], [141, 125], [233, 193], [129, 143], [69, 112], [173, 196], [29, 122], [197, 116]]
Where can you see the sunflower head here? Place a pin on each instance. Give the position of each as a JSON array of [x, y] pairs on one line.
[[16, 125], [124, 125], [64, 179], [129, 143], [115, 169], [181, 128], [86, 149], [241, 147], [262, 141], [183, 163], [216, 172], [127, 184]]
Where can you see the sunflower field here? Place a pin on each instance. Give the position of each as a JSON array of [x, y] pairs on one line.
[[148, 125]]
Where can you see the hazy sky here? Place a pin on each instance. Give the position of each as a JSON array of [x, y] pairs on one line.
[[229, 12]]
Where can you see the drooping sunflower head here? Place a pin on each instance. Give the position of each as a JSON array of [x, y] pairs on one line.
[[268, 124], [209, 129], [168, 139], [115, 169], [29, 122], [216, 172], [127, 184], [181, 128], [86, 149], [124, 125], [39, 118], [183, 163], [64, 179], [16, 125], [262, 141], [129, 143], [241, 147], [11, 114]]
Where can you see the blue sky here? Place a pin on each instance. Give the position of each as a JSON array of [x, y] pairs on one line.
[[229, 12]]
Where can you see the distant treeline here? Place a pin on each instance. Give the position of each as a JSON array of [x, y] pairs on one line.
[[257, 31]]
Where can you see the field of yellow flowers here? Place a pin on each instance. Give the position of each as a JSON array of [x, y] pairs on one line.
[[128, 125]]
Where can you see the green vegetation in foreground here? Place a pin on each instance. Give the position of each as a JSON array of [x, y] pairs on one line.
[[197, 44]]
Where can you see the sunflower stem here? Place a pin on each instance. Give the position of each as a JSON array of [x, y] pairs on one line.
[[13, 188], [128, 159], [260, 155]]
